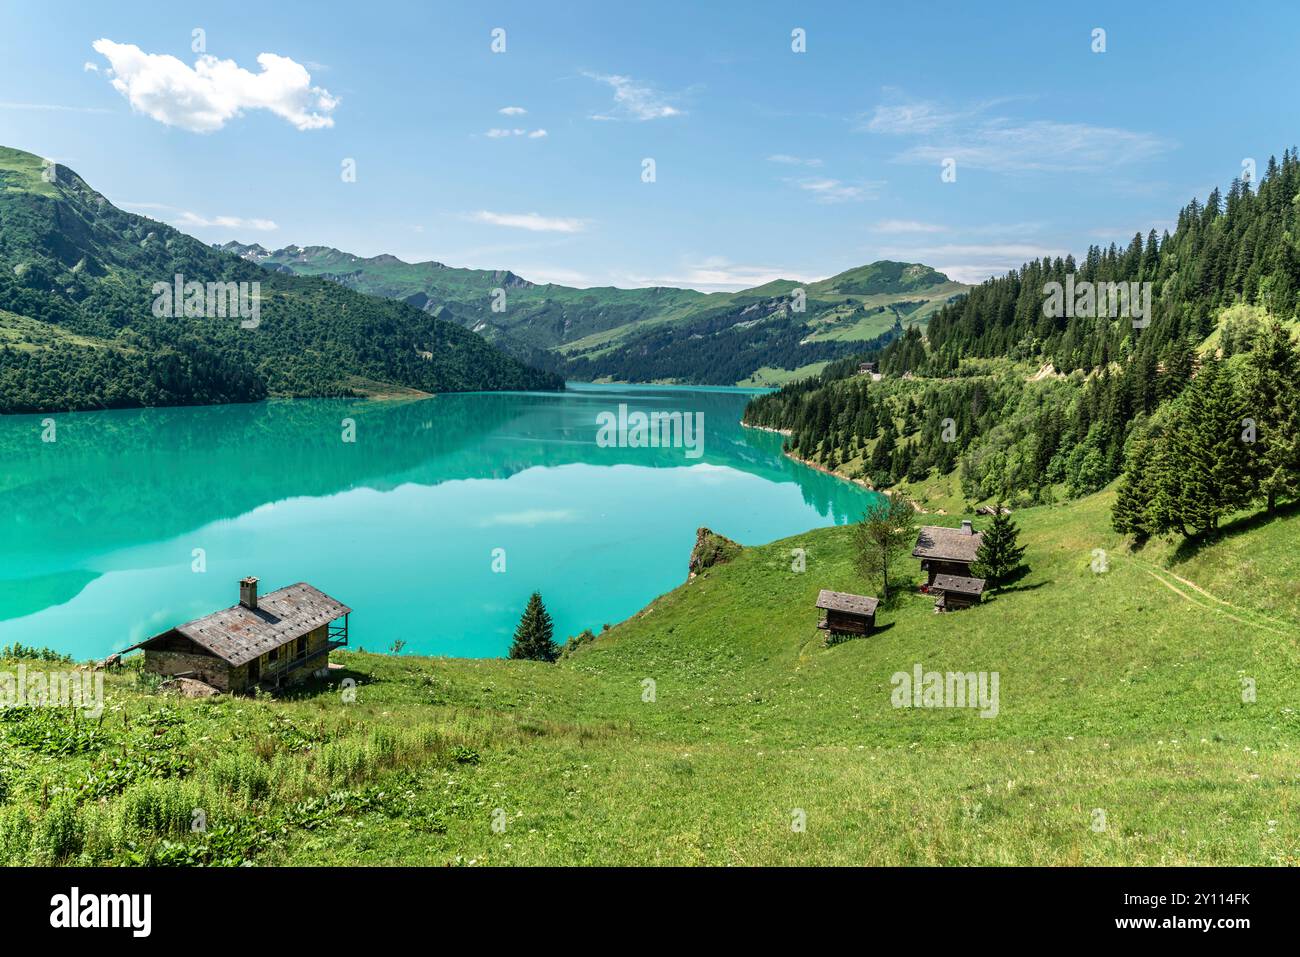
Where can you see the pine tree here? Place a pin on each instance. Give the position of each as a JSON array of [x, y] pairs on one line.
[[1131, 513], [1217, 461], [534, 638], [1272, 403], [1167, 512], [999, 553]]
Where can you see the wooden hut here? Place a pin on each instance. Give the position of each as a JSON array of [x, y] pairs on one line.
[[946, 551], [846, 615], [281, 637], [954, 592]]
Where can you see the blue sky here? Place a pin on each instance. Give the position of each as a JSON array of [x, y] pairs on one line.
[[768, 162]]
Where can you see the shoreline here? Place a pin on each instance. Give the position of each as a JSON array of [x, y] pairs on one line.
[[861, 483]]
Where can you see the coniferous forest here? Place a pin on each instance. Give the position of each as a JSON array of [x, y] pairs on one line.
[[78, 327], [1198, 407]]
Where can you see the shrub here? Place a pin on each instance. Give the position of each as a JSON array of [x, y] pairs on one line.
[[60, 832]]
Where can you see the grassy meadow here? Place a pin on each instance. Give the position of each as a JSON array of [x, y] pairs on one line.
[[1122, 734]]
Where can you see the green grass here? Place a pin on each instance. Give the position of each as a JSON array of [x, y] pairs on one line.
[[1119, 690], [771, 377], [30, 335], [24, 172]]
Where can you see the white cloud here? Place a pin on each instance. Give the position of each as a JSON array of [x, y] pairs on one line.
[[717, 274], [906, 226], [531, 221], [908, 118], [89, 67], [827, 190], [512, 111], [499, 133], [978, 140], [560, 276], [185, 219], [205, 97], [6, 105], [788, 160], [636, 101], [973, 262]]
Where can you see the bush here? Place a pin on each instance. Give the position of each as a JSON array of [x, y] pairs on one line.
[[60, 833], [16, 832]]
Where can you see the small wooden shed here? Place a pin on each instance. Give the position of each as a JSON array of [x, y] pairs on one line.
[[846, 614], [954, 592], [270, 640]]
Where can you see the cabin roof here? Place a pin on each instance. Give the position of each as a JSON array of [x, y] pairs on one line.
[[958, 584], [849, 604], [947, 544], [238, 634]]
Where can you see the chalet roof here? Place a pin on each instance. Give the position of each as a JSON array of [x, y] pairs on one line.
[[238, 634], [958, 584], [843, 601], [947, 544]]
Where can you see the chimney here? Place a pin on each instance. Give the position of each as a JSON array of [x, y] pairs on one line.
[[248, 593], [966, 529]]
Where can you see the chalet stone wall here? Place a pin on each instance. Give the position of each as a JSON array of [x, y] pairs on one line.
[[206, 668]]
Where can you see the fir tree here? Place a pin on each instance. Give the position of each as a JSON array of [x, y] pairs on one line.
[[1214, 463], [1272, 403], [1166, 512], [534, 638], [999, 553], [1131, 513]]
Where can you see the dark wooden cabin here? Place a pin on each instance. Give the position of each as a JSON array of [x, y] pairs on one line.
[[279, 638], [947, 551], [954, 592], [846, 615]]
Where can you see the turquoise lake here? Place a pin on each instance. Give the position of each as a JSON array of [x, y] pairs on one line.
[[99, 528]]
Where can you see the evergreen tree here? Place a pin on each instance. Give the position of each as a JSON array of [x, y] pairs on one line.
[[1131, 513], [1166, 513], [534, 637], [1272, 402], [999, 553], [1212, 465]]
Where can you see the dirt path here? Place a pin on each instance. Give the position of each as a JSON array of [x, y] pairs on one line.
[[1255, 619]]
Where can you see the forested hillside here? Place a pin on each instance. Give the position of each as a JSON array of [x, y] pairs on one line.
[[1025, 401], [645, 335], [80, 327]]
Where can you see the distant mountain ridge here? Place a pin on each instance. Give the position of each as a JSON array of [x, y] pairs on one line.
[[658, 333], [80, 326]]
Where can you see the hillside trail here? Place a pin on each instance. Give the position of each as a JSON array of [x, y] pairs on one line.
[[1243, 616]]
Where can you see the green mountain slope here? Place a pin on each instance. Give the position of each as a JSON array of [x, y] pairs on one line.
[[79, 329], [1119, 692], [1003, 397], [653, 334]]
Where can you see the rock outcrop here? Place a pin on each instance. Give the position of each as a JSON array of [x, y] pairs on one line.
[[711, 549]]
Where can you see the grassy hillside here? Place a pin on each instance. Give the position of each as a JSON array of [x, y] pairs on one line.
[[79, 327], [1119, 690], [653, 334]]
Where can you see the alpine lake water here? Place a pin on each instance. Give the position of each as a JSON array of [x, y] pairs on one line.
[[434, 523]]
